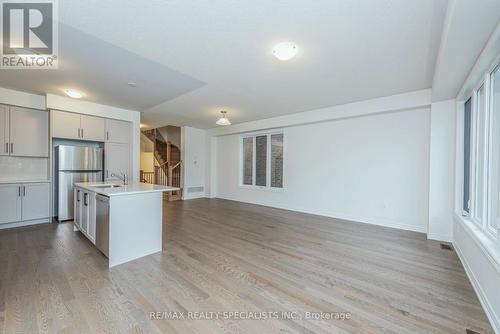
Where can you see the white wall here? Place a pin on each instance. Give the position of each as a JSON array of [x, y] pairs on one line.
[[89, 108], [193, 150], [482, 268], [147, 161], [442, 170], [371, 169]]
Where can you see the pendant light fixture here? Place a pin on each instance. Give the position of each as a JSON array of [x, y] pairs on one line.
[[223, 120]]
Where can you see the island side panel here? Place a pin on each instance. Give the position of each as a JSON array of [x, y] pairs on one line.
[[135, 226]]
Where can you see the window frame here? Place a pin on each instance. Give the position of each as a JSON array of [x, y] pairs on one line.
[[479, 186], [489, 163], [254, 135], [480, 228]]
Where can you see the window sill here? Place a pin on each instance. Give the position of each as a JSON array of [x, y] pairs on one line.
[[270, 189], [487, 243]]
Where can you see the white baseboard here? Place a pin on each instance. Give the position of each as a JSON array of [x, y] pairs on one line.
[[439, 237], [483, 299], [24, 223], [193, 196]]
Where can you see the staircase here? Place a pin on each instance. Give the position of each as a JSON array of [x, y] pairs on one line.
[[167, 170]]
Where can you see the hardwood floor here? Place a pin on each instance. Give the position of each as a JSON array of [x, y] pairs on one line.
[[223, 256]]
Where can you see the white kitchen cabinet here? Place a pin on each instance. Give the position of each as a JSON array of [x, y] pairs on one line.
[[85, 213], [10, 203], [91, 217], [75, 126], [29, 132], [117, 160], [65, 125], [117, 131], [4, 130], [78, 207], [92, 128], [35, 201]]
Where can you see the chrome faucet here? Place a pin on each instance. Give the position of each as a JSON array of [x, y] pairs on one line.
[[123, 177]]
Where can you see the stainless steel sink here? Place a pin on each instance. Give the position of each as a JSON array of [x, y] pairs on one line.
[[107, 186]]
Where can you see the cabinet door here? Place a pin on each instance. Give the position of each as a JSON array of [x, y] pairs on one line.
[[10, 203], [35, 201], [4, 130], [85, 212], [117, 160], [92, 128], [91, 217], [65, 125], [29, 132], [117, 131], [78, 207]]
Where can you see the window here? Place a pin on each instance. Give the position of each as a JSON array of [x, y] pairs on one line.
[[277, 160], [467, 157], [262, 160], [494, 166], [481, 156], [248, 161]]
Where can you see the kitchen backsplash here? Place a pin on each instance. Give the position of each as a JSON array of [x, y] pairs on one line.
[[19, 169]]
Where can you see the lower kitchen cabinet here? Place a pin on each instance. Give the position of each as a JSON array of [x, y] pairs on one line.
[[35, 201], [10, 203], [85, 206], [24, 202]]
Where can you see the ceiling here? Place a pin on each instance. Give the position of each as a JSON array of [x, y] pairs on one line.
[[192, 59]]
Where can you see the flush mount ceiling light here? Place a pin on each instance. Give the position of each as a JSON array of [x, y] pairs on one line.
[[131, 84], [223, 120], [285, 50], [73, 93]]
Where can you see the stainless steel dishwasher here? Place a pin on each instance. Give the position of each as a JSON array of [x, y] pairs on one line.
[[102, 224]]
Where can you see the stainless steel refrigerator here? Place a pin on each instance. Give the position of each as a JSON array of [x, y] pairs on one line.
[[75, 164]]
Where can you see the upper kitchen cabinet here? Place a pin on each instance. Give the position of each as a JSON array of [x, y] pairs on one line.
[[92, 128], [4, 130], [65, 125], [75, 126], [117, 131], [28, 132]]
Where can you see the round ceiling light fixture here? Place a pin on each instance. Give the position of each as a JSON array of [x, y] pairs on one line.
[[223, 120], [73, 93], [285, 50]]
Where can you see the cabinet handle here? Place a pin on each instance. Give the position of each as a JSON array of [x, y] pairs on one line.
[[6, 147], [11, 147], [78, 132], [24, 191], [85, 199], [82, 132], [19, 191], [78, 195], [107, 135]]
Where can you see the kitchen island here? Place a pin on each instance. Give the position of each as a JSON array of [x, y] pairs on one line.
[[123, 221]]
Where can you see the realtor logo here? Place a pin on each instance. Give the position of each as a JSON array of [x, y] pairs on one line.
[[29, 34]]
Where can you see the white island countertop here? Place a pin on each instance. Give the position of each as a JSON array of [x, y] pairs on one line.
[[130, 189]]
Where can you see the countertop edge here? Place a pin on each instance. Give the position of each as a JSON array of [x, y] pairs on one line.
[[123, 193]]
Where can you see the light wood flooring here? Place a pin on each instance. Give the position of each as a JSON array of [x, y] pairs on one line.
[[223, 256]]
